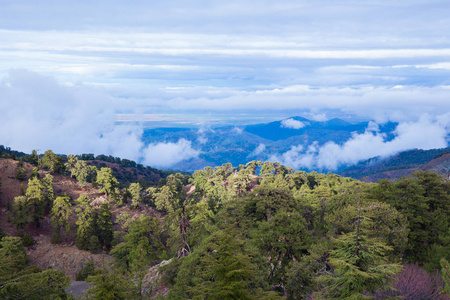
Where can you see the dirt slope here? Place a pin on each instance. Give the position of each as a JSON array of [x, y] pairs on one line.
[[65, 256]]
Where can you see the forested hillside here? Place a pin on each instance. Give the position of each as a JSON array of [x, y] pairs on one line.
[[401, 164], [258, 231]]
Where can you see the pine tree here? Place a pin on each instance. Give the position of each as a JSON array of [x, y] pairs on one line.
[[21, 212], [36, 200], [360, 265], [104, 225], [21, 172], [84, 222], [135, 191], [60, 214], [109, 285], [33, 158], [48, 193], [141, 246], [52, 162], [70, 164], [108, 182], [19, 281], [81, 171]]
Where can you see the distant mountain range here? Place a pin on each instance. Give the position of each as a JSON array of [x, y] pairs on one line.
[[401, 164], [239, 145]]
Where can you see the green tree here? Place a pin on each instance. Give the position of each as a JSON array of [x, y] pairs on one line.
[[70, 164], [21, 172], [424, 200], [21, 212], [141, 244], [12, 256], [52, 162], [283, 239], [135, 190], [60, 214], [19, 281], [36, 200], [109, 285], [84, 222], [172, 199], [222, 268], [267, 169], [33, 158], [34, 173], [107, 181], [48, 194], [104, 225], [81, 172], [361, 265]]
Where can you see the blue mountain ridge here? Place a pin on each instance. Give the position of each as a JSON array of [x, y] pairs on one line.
[[238, 144]]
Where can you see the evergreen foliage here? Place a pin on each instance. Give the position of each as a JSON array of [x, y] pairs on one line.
[[104, 225], [52, 162], [19, 281], [60, 214], [21, 172], [135, 191], [233, 234], [21, 212], [425, 201], [84, 223], [141, 246], [108, 182], [109, 285]]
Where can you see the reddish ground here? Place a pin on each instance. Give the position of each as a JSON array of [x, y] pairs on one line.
[[64, 256]]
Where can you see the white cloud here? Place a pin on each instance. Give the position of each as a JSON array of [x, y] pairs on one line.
[[168, 154], [423, 134], [293, 124], [237, 130], [39, 113], [258, 150]]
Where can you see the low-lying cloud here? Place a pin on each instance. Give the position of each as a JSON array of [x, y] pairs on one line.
[[39, 113], [167, 154], [293, 124], [425, 134], [258, 150]]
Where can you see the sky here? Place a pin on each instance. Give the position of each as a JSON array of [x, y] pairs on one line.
[[70, 70]]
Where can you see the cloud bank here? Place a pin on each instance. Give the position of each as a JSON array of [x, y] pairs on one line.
[[39, 113], [426, 133], [168, 154]]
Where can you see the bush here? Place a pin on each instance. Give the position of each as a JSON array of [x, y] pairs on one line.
[[94, 244], [87, 270], [27, 240], [415, 283], [56, 236]]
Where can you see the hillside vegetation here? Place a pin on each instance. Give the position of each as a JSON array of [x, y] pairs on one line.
[[401, 164], [259, 231]]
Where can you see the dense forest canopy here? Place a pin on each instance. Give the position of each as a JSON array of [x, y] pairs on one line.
[[257, 231]]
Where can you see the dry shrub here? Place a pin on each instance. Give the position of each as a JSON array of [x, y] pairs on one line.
[[415, 283]]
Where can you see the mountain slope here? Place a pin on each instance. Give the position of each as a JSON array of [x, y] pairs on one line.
[[402, 164], [259, 141]]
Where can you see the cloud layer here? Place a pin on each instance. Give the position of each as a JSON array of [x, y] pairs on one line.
[[425, 134], [194, 63], [39, 113]]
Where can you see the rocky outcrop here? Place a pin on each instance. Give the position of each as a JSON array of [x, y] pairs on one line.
[[152, 283]]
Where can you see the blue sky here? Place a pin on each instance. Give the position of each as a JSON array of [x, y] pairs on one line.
[[207, 60]]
